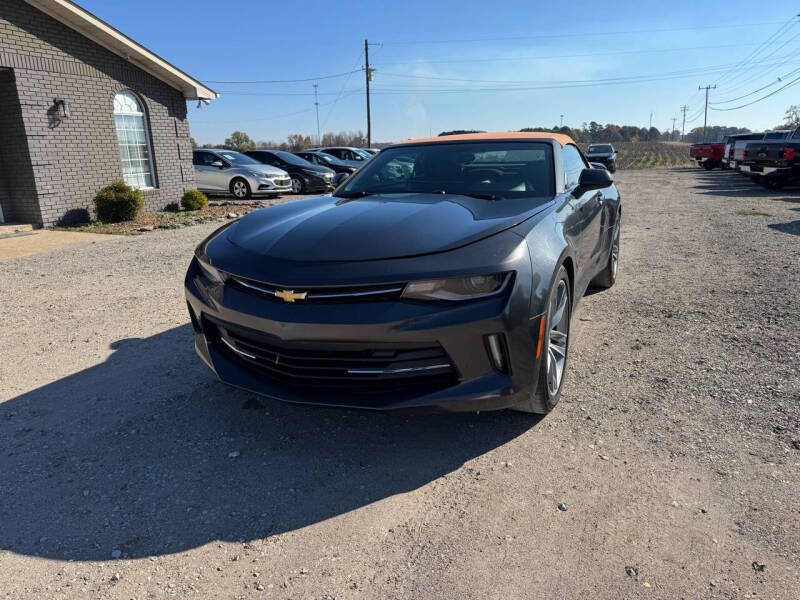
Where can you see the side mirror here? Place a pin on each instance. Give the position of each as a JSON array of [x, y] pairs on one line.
[[218, 163], [594, 179]]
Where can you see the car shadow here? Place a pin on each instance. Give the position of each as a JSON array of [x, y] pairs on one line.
[[147, 454], [792, 227], [734, 184]]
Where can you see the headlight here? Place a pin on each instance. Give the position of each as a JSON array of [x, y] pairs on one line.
[[456, 288], [211, 273], [257, 174]]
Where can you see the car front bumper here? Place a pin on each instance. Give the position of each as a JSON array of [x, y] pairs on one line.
[[279, 336], [608, 162], [261, 186]]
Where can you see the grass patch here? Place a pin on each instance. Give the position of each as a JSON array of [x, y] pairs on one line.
[[749, 212]]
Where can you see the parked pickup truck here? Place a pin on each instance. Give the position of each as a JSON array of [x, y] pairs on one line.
[[737, 150], [708, 156], [729, 141], [774, 163]]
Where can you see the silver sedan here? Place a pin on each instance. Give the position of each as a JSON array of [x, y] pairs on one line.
[[227, 171]]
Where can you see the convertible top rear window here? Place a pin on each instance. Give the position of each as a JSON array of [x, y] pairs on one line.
[[495, 170]]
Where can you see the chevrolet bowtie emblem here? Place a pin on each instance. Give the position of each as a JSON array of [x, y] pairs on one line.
[[291, 295]]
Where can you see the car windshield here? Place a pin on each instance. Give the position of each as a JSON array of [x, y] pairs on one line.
[[491, 170], [331, 160], [600, 148], [237, 158], [290, 158], [362, 152]]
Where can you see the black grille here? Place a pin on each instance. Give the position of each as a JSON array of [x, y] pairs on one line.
[[318, 295], [355, 365]]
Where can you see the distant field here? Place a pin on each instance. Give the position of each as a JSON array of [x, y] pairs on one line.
[[647, 155]]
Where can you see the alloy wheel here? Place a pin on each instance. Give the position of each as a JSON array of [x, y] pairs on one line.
[[559, 335], [239, 189], [297, 185]]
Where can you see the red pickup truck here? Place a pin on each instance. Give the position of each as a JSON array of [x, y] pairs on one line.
[[708, 156]]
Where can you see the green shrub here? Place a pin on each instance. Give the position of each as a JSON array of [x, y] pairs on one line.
[[193, 200], [118, 202]]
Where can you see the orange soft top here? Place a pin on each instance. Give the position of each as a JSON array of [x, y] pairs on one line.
[[496, 135]]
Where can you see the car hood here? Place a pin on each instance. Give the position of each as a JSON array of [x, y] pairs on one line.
[[328, 229], [266, 169], [317, 169]]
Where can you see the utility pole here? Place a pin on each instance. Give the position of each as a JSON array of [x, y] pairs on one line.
[[368, 73], [673, 128], [651, 126], [705, 118], [562, 120], [316, 106], [684, 108]]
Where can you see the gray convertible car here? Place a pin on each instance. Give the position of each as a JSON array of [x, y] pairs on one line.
[[442, 275]]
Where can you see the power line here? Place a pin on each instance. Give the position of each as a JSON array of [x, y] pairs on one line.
[[289, 114], [776, 82], [780, 89], [696, 70], [592, 34], [786, 25], [304, 80], [759, 72], [341, 90], [509, 85], [551, 56]]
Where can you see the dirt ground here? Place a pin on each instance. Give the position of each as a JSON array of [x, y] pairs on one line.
[[127, 471]]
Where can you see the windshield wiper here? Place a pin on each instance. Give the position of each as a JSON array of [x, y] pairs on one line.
[[485, 196], [359, 194], [479, 196]]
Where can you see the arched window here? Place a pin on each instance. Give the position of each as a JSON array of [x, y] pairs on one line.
[[134, 140]]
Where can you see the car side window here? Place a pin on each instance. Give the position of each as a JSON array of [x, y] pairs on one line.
[[268, 158], [204, 158], [796, 135], [334, 152], [573, 165]]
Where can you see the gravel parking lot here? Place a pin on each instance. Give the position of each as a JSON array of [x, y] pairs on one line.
[[127, 471]]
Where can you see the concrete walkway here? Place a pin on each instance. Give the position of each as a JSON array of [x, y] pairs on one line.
[[43, 240]]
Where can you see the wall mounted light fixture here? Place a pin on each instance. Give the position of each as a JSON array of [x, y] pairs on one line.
[[61, 104]]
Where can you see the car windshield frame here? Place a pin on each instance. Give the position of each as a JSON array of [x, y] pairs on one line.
[[330, 159], [484, 169], [291, 159], [237, 160]]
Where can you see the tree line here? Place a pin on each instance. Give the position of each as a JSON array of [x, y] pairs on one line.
[[586, 134], [241, 142], [610, 133]]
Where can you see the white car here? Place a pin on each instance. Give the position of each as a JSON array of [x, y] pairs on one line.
[[227, 171]]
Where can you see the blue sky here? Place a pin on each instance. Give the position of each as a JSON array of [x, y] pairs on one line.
[[439, 64]]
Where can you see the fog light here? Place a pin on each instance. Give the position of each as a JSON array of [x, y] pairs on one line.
[[496, 345]]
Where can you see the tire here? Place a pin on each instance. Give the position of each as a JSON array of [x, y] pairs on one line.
[[608, 276], [612, 169], [240, 189], [773, 183], [708, 165], [555, 348], [298, 185]]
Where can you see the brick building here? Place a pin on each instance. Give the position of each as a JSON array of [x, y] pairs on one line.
[[82, 105]]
